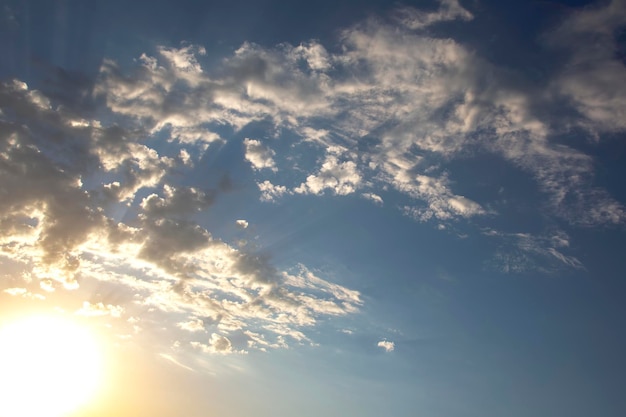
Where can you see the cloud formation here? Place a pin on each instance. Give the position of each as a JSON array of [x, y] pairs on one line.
[[387, 345], [259, 155], [392, 109], [395, 105]]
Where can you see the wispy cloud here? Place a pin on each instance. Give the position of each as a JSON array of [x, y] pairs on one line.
[[523, 252], [594, 79]]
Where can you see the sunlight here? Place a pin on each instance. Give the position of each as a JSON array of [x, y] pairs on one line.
[[49, 366]]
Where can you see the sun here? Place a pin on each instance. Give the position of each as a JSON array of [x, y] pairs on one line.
[[49, 366]]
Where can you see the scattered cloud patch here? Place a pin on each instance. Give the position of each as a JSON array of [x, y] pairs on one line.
[[523, 252], [193, 325], [340, 177], [217, 344], [100, 309], [387, 345], [271, 192], [242, 224], [259, 155], [375, 198], [24, 293]]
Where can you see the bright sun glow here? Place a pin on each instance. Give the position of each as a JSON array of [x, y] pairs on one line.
[[49, 366]]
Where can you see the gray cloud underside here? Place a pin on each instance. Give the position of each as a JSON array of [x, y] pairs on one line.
[[389, 110]]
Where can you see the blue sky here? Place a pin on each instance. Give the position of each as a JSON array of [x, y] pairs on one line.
[[333, 208]]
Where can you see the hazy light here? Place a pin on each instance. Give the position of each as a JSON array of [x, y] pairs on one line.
[[49, 366]]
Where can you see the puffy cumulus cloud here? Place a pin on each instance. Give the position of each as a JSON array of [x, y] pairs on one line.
[[340, 177], [315, 55], [243, 224], [271, 192], [176, 202], [183, 61], [387, 345], [258, 155]]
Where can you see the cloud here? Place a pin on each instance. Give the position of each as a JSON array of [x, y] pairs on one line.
[[374, 197], [594, 79], [100, 309], [243, 224], [176, 202], [217, 344], [259, 155], [271, 192], [442, 203], [340, 177], [69, 177], [523, 252], [399, 103], [448, 10], [387, 345], [193, 325], [393, 108], [23, 292]]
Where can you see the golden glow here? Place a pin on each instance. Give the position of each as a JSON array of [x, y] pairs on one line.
[[49, 366]]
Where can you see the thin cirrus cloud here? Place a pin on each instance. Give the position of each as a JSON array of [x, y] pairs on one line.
[[389, 110], [594, 78]]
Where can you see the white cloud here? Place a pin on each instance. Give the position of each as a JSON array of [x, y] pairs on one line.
[[193, 325], [374, 197], [243, 224], [391, 108], [23, 292], [271, 192], [217, 344], [387, 345], [426, 98], [185, 157], [341, 177], [442, 203], [259, 155]]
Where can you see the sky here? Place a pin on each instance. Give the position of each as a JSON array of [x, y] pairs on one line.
[[337, 208]]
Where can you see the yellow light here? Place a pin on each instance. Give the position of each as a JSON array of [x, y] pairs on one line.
[[49, 366]]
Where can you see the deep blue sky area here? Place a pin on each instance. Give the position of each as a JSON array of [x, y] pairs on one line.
[[340, 208]]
